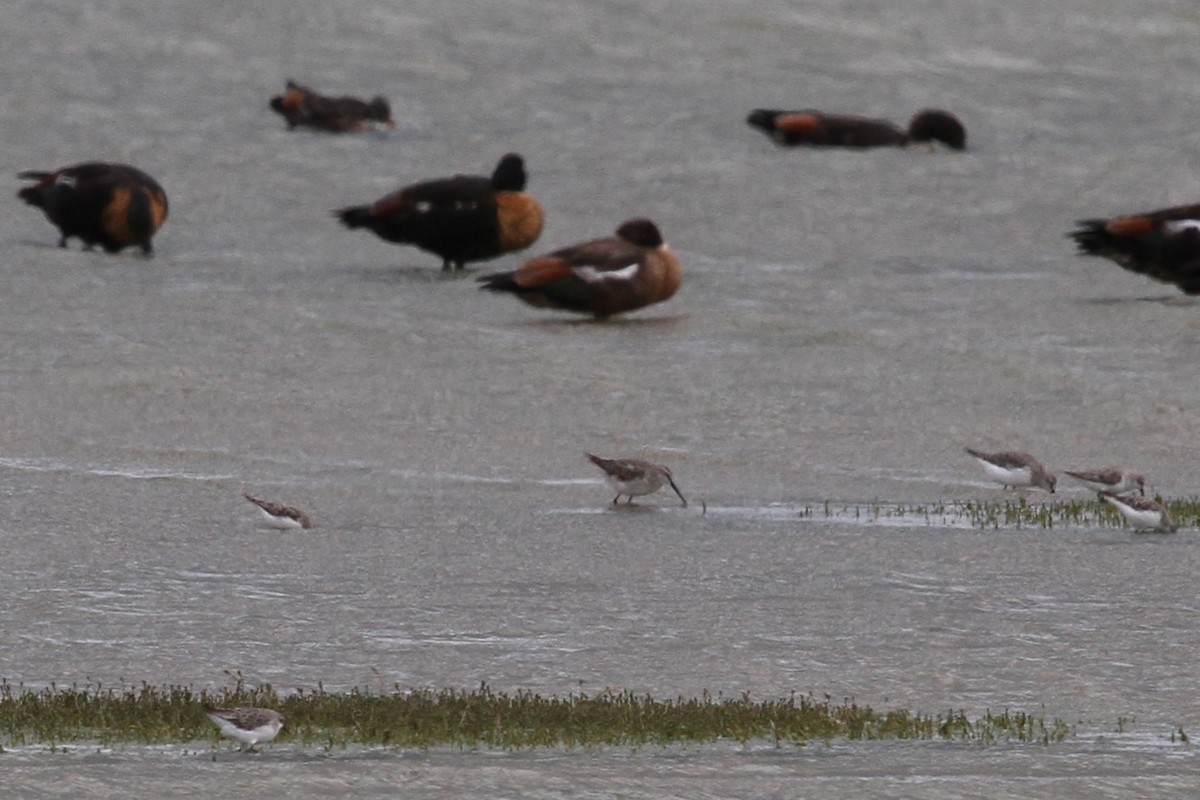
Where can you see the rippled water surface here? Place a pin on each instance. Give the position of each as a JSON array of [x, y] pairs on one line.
[[848, 322]]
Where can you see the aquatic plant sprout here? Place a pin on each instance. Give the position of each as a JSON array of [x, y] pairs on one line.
[[483, 718]]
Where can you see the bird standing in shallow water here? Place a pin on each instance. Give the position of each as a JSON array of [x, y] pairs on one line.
[[632, 476], [280, 516], [301, 106], [1141, 512], [602, 277], [1014, 469], [818, 129], [1111, 479], [461, 219], [248, 726], [111, 205], [1163, 244]]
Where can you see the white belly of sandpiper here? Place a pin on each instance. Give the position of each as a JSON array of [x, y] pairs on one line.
[[635, 487], [279, 523], [1021, 476], [248, 737], [1140, 517]]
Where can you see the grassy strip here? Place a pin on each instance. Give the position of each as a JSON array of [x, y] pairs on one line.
[[995, 514], [483, 718]]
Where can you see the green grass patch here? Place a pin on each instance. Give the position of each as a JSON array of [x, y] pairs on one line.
[[1016, 513], [483, 719]]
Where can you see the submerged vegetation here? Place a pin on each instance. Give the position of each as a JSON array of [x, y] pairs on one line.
[[483, 719], [995, 514]]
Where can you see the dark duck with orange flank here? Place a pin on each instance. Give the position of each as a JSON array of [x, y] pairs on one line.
[[1163, 244], [301, 106], [602, 277], [111, 205], [818, 129], [461, 219]]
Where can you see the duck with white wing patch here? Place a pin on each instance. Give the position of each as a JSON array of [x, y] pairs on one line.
[[1163, 244], [630, 270]]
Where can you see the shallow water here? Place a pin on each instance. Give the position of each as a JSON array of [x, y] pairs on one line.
[[848, 322]]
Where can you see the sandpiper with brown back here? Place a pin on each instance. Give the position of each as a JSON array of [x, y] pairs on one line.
[[1014, 469], [635, 477], [246, 725], [279, 516], [1142, 513]]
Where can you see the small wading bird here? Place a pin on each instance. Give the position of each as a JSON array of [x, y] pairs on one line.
[[461, 219], [1141, 512], [280, 516], [247, 726], [301, 106], [1014, 469], [1163, 245], [1111, 479], [634, 477], [818, 129], [111, 205], [602, 277]]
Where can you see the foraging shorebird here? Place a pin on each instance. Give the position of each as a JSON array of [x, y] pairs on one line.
[[111, 205], [602, 277], [1014, 469], [1141, 512], [461, 219], [818, 129], [1111, 479], [634, 477], [280, 516], [246, 725], [1163, 244], [301, 106]]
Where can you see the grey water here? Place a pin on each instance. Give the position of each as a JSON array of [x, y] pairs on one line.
[[848, 322]]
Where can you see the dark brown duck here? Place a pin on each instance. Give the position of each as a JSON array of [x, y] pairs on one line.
[[1163, 244], [111, 205], [300, 106], [818, 129], [460, 219], [629, 270]]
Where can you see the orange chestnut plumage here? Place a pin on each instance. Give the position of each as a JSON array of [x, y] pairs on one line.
[[1162, 244], [300, 106], [629, 270], [111, 205], [462, 218], [821, 129]]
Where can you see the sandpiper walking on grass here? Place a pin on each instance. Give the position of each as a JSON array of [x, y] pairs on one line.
[[1111, 479], [1015, 469], [1142, 513], [248, 726], [634, 477]]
